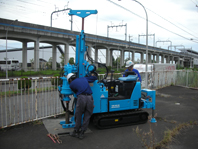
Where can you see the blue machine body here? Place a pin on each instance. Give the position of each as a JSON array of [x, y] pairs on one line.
[[102, 102]]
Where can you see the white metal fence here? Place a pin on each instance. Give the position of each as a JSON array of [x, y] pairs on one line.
[[40, 99], [36, 101]]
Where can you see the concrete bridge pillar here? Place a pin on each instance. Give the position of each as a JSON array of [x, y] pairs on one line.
[[111, 55], [54, 55], [89, 51], [191, 63], [153, 60], [121, 57], [168, 59], [149, 57], [36, 55], [96, 56], [133, 56], [66, 55], [108, 56], [171, 59], [142, 57], [157, 58], [176, 59], [181, 63], [162, 58], [24, 56]]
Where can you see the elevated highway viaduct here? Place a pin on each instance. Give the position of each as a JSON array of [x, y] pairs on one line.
[[27, 32]]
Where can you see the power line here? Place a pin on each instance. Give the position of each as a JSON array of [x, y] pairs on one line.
[[151, 21], [171, 23], [28, 2]]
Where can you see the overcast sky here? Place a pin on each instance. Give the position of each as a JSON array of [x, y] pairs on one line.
[[169, 20]]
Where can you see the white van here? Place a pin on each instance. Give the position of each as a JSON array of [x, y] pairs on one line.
[[12, 64]]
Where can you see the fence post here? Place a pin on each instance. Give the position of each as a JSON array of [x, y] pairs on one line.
[[187, 78], [36, 107]]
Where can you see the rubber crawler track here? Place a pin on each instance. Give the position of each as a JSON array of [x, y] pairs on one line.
[[121, 118]]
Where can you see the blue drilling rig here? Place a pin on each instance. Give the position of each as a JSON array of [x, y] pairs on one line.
[[117, 102]]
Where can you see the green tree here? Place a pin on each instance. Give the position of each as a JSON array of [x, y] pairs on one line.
[[57, 65], [32, 60], [71, 61], [113, 61], [62, 60]]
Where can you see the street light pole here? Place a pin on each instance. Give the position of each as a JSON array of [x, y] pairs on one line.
[[146, 75], [146, 83], [6, 47]]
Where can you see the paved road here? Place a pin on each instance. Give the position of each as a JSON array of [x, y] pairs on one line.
[[174, 105]]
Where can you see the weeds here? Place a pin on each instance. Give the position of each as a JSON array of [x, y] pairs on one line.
[[38, 122], [172, 84], [148, 140], [170, 134]]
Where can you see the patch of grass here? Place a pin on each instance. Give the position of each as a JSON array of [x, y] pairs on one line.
[[38, 122], [148, 140], [170, 134], [165, 120], [172, 84]]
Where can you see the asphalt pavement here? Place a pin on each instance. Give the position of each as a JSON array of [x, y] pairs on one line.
[[174, 106]]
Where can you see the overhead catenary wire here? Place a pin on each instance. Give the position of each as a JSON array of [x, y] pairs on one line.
[[152, 22], [23, 4], [171, 23], [96, 30]]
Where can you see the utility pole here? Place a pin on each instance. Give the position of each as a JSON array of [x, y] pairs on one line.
[[129, 44], [7, 45], [116, 28]]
